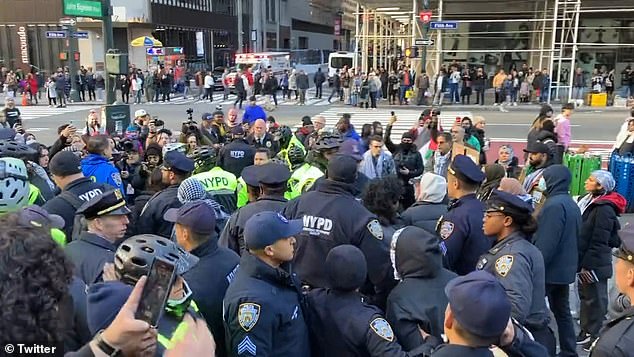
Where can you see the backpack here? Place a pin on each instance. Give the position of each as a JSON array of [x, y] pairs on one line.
[[79, 223]]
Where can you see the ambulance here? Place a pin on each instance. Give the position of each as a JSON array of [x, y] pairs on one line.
[[278, 61]]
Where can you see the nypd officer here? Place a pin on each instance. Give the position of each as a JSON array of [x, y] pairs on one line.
[[237, 154], [332, 216], [463, 241], [271, 179], [263, 313], [107, 221], [176, 168], [341, 324], [517, 263]]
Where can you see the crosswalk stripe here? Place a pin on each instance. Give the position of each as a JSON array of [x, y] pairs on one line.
[[35, 112]]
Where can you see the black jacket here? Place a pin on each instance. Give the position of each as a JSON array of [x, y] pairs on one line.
[[559, 224], [84, 189], [419, 298], [327, 214], [232, 236], [268, 142], [263, 312], [599, 234], [407, 157], [424, 215], [88, 254], [151, 220], [208, 281], [235, 156], [617, 337]]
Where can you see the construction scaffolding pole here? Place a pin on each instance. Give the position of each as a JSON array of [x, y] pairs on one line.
[[553, 42], [375, 40], [439, 40], [575, 33], [355, 59], [543, 36]]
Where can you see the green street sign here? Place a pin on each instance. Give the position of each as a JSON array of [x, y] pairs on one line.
[[82, 8]]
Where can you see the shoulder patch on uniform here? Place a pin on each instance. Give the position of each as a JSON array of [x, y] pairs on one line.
[[503, 264], [375, 229], [116, 178], [446, 228], [247, 346], [248, 315], [382, 328]]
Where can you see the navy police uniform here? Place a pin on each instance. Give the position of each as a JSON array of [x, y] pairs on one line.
[[461, 227], [263, 312], [91, 251], [236, 155], [519, 266], [267, 175], [151, 220], [332, 216]]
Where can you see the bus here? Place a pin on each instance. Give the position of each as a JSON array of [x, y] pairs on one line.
[[338, 60], [310, 60]]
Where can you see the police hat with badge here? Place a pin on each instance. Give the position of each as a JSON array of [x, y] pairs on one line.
[[508, 204], [465, 170], [626, 249], [177, 162], [265, 228], [110, 203]]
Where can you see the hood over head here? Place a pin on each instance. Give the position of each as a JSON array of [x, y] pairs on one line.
[[415, 253], [433, 188], [557, 179], [346, 268]]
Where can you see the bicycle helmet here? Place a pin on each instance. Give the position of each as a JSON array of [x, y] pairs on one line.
[[283, 135], [327, 142], [12, 148], [174, 147], [14, 185], [295, 156], [204, 158], [135, 255]]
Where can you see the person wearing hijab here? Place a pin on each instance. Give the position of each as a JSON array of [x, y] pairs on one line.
[[430, 203], [494, 174], [600, 209], [510, 162], [514, 187]]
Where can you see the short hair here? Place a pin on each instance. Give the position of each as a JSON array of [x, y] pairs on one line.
[[197, 237], [97, 144], [473, 339], [264, 150], [376, 138], [445, 135], [273, 190]]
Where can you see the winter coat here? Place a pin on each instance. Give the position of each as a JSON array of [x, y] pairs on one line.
[[424, 215], [100, 170], [599, 234], [559, 224], [302, 81]]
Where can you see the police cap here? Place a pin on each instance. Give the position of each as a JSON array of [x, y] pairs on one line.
[[277, 227], [110, 203], [466, 170], [250, 176], [507, 203], [272, 174], [350, 147], [479, 288], [175, 160], [342, 168], [626, 251]]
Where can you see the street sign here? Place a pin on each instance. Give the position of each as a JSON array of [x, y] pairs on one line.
[[443, 25], [80, 34], [155, 51], [83, 8], [55, 34], [424, 42], [425, 16], [67, 21]]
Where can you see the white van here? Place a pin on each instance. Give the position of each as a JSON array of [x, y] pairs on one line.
[[337, 60]]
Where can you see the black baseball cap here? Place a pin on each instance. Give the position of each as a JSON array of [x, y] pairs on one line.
[[342, 168], [198, 216], [65, 163], [536, 147]]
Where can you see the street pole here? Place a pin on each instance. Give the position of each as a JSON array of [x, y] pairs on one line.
[[240, 27], [108, 44], [72, 64]]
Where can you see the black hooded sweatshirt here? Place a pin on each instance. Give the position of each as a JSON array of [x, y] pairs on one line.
[[419, 299]]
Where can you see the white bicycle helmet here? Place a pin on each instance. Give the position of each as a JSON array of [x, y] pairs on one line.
[[14, 185], [174, 147]]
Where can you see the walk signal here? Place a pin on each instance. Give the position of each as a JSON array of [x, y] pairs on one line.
[[411, 52]]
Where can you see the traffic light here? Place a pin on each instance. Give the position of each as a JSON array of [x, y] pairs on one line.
[[76, 56], [411, 52]]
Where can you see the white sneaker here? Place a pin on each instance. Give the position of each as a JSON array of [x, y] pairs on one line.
[[515, 104], [495, 104]]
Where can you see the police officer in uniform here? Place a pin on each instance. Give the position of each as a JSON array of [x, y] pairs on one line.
[[176, 168], [221, 184], [271, 179], [236, 155], [65, 168], [332, 216], [517, 263], [341, 324], [463, 241], [263, 312], [106, 217]]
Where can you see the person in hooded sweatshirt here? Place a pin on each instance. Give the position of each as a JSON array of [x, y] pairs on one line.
[[558, 228], [600, 209], [341, 324], [494, 174], [430, 203], [419, 298]]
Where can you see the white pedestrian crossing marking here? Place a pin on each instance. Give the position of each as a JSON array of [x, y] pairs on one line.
[[42, 111]]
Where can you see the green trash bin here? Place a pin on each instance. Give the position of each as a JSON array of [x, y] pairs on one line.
[[115, 118], [580, 166], [590, 163]]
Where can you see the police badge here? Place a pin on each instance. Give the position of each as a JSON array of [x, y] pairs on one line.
[[248, 315], [446, 228], [375, 229], [116, 178], [268, 144], [382, 328], [503, 264]]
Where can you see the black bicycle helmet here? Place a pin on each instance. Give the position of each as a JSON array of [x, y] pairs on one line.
[[135, 255], [204, 158], [327, 142], [12, 148], [283, 135], [296, 155]]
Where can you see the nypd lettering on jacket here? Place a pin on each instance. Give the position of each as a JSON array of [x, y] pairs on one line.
[[211, 182], [317, 225], [237, 154], [86, 196]]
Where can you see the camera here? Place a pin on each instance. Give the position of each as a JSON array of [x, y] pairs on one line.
[[190, 113]]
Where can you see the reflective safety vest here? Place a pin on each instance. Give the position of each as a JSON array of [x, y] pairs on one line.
[[34, 193], [301, 180], [218, 181], [59, 237], [243, 195], [296, 142], [180, 331]]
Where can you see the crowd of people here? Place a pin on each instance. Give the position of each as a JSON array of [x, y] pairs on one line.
[[320, 242]]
